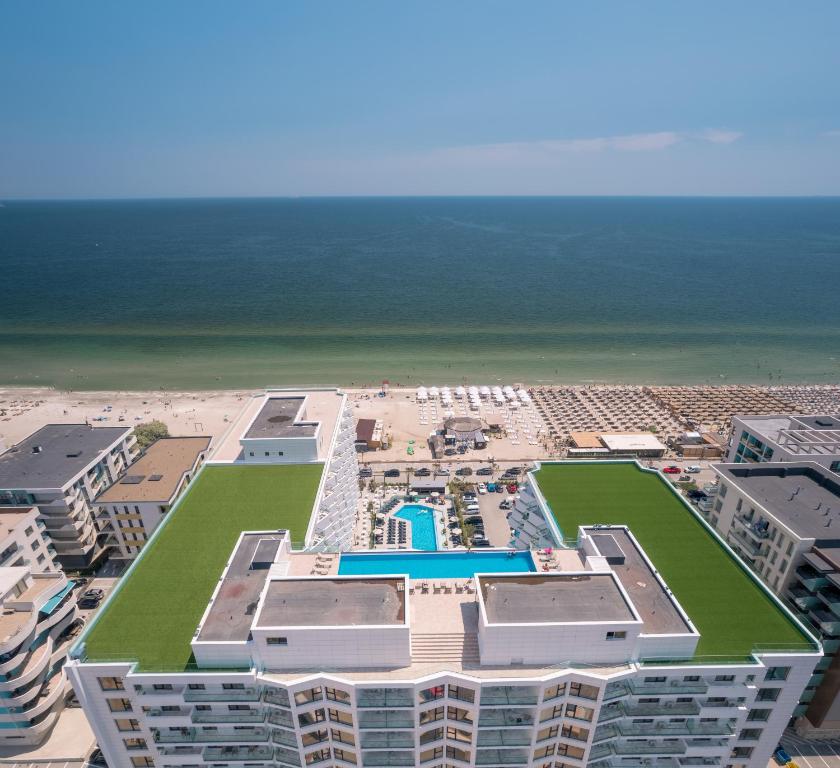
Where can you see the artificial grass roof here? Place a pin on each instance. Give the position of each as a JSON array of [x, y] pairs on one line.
[[153, 615], [733, 614]]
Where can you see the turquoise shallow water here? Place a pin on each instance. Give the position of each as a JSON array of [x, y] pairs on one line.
[[238, 293], [422, 521]]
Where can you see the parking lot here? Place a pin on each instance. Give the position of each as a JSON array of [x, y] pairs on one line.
[[811, 754]]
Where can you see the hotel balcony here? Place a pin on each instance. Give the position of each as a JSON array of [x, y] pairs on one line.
[[395, 740], [501, 757], [504, 696], [388, 758], [604, 732], [504, 738], [662, 728], [237, 694], [278, 697], [616, 690], [188, 735], [501, 718], [215, 754], [676, 747], [384, 699], [610, 712], [384, 720], [680, 687], [278, 717], [665, 708], [254, 716], [746, 545]]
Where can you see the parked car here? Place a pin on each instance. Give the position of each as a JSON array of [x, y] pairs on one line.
[[693, 469], [365, 472], [484, 471], [513, 471], [89, 602], [392, 473], [468, 497], [672, 470], [482, 488], [473, 520], [450, 452], [95, 593], [422, 472], [464, 471], [505, 505], [780, 756], [481, 543], [442, 471], [685, 478], [512, 488], [500, 488]]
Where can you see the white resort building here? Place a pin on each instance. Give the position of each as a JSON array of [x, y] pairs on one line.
[[24, 541], [61, 469], [37, 608], [786, 438], [225, 645]]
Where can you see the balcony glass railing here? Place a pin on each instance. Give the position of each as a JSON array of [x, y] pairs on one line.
[[385, 698], [509, 695], [396, 740], [504, 718], [214, 754], [649, 747], [188, 735], [377, 720], [235, 694], [504, 738], [388, 758], [665, 687], [662, 708], [501, 757], [255, 716]]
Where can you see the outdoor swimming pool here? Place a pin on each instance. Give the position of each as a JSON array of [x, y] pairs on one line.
[[437, 565], [422, 521]]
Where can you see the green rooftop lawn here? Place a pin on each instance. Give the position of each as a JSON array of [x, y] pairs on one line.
[[154, 615], [731, 612]]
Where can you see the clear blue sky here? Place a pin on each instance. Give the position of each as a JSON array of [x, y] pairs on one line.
[[105, 99]]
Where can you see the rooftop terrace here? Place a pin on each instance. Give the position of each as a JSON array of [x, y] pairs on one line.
[[733, 614], [333, 602], [561, 599], [277, 418], [153, 614]]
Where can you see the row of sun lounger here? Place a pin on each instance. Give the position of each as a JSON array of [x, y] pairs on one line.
[[441, 587]]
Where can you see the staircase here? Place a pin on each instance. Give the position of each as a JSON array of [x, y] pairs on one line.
[[459, 647]]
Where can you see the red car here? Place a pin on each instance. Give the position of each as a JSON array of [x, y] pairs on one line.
[[512, 488], [671, 470]]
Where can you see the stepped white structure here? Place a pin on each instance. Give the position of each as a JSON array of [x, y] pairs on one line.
[[400, 659]]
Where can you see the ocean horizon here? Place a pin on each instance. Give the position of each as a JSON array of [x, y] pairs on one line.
[[210, 293]]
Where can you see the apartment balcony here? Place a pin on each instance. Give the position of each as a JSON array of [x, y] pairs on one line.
[[604, 732], [696, 761], [501, 757], [610, 712], [500, 718], [277, 696], [254, 716], [802, 598], [828, 623], [278, 717], [745, 544], [215, 754], [161, 712], [811, 578], [830, 596], [238, 694], [623, 748], [675, 687], [755, 529], [669, 708]]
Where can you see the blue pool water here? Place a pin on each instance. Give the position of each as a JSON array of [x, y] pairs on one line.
[[438, 565], [422, 521]]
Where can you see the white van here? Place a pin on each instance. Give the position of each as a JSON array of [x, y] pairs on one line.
[[693, 469]]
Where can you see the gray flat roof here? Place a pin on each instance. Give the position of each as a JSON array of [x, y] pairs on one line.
[[333, 602], [561, 598], [652, 602], [803, 496], [277, 419], [236, 601], [820, 422], [65, 451]]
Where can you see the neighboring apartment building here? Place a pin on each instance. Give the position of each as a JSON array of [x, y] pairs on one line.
[[23, 540], [784, 521], [60, 469], [37, 609], [131, 509], [449, 659], [786, 438]]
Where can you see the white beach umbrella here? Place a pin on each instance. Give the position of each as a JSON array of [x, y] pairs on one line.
[[460, 392], [434, 392], [484, 391]]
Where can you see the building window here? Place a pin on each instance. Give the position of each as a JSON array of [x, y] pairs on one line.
[[768, 694], [110, 684], [119, 705], [777, 673], [431, 715], [431, 754], [431, 694], [29, 531], [233, 686], [544, 751], [343, 754], [724, 678], [462, 694], [134, 743], [314, 737], [617, 635], [456, 734], [308, 696], [195, 686], [554, 692], [459, 715], [758, 715], [337, 716], [751, 734], [162, 687], [742, 752], [277, 641], [433, 735], [583, 691], [343, 737], [317, 757], [142, 762], [336, 694], [127, 725], [310, 718]]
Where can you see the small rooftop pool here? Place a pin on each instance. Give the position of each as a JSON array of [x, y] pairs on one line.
[[422, 519], [436, 565]]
